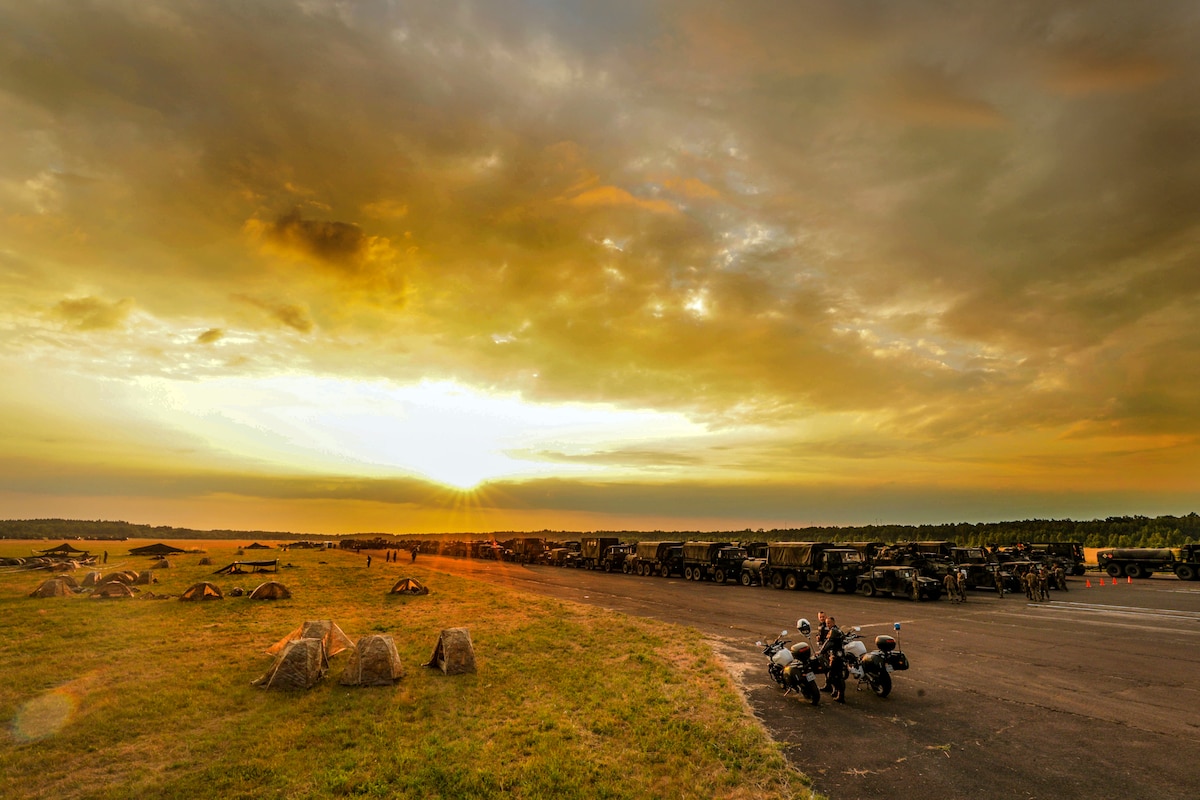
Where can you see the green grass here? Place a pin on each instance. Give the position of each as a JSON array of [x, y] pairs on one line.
[[152, 698]]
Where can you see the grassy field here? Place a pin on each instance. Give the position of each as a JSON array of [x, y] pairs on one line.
[[153, 697]]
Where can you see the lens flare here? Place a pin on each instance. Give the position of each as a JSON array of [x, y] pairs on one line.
[[45, 715]]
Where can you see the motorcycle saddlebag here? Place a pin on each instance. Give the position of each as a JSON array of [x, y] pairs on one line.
[[885, 643], [899, 661]]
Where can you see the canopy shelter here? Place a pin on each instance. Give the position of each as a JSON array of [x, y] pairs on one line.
[[300, 665], [158, 549], [202, 591], [257, 546], [409, 586], [64, 549], [271, 590], [326, 630], [54, 587], [454, 654], [373, 662], [239, 567]]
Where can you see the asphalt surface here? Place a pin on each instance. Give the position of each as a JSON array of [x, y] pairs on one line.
[[1091, 695]]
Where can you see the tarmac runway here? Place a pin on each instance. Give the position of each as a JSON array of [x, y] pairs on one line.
[[1093, 694]]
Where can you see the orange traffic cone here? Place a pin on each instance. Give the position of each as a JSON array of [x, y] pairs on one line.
[[1129, 579], [1089, 583]]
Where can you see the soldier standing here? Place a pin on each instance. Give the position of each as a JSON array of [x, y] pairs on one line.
[[1000, 584], [951, 584]]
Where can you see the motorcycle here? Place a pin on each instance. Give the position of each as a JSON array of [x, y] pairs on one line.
[[876, 667], [793, 668]]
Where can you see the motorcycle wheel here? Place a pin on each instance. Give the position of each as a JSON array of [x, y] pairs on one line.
[[813, 692], [881, 684]]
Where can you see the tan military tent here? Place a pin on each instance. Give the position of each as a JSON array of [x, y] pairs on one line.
[[409, 586], [52, 587], [112, 591], [454, 653], [202, 591], [271, 590], [206, 562], [91, 579], [373, 662], [324, 629], [126, 577], [299, 666], [144, 578]]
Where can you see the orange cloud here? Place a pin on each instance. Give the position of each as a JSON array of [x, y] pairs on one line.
[[92, 313]]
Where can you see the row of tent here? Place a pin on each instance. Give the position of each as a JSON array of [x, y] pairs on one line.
[[302, 657]]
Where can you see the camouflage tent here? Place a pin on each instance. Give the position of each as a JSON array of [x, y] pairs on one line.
[[202, 591], [373, 662], [53, 587], [299, 666], [126, 577], [330, 634], [409, 586], [91, 579], [454, 653], [112, 591], [144, 577], [271, 590]]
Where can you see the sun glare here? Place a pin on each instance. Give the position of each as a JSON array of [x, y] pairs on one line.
[[448, 433]]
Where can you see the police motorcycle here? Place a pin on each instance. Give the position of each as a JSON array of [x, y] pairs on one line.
[[793, 668], [876, 667]]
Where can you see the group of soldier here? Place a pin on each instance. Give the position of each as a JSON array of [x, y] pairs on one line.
[[1036, 582]]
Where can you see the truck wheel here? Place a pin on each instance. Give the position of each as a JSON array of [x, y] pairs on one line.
[[777, 580], [719, 576], [793, 583], [827, 585], [664, 571], [1113, 570], [687, 573], [1186, 572], [868, 589], [1134, 570], [747, 579]]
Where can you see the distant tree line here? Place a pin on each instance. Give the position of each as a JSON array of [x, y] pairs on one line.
[[1134, 531]]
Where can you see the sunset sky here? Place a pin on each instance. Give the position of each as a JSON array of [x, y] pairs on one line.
[[346, 266]]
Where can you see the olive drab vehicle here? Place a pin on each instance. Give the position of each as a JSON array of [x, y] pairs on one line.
[[592, 550], [1142, 562], [899, 582], [714, 561], [824, 565], [658, 558]]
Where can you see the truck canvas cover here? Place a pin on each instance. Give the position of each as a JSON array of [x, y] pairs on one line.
[[794, 554], [654, 550], [702, 551]]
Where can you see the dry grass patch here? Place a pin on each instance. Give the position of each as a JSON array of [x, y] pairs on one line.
[[153, 697]]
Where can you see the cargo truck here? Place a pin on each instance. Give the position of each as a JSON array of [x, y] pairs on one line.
[[795, 565]]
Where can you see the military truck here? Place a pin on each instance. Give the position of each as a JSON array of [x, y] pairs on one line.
[[1068, 554], [980, 568], [655, 558], [1142, 562], [715, 561], [1187, 568], [899, 582], [616, 557], [592, 549], [812, 564]]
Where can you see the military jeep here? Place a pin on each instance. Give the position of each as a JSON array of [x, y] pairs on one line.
[[899, 581]]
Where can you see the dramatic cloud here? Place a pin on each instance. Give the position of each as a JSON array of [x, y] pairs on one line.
[[827, 246]]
